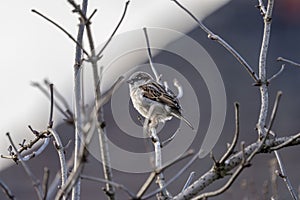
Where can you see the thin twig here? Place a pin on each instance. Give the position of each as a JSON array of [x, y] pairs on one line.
[[288, 61], [50, 123], [274, 111], [217, 38], [45, 182], [24, 147], [61, 98], [7, 191], [189, 180], [46, 93], [150, 58], [277, 74], [167, 141], [35, 182], [285, 177], [117, 185], [236, 134], [62, 29], [115, 30]]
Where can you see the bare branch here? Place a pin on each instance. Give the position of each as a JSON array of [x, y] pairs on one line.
[[7, 191], [150, 57], [35, 182], [61, 98], [228, 183], [177, 175], [261, 7], [45, 92], [105, 157], [150, 129], [50, 123], [288, 61], [115, 30], [117, 185], [75, 174], [274, 111], [61, 155], [285, 177], [189, 180], [277, 74], [38, 151], [78, 105], [287, 142], [236, 135], [62, 29], [250, 151], [45, 182], [217, 38], [152, 175], [262, 71]]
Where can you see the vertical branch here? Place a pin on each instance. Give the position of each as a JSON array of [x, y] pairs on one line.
[[78, 100], [149, 128], [61, 155], [262, 70], [157, 77]]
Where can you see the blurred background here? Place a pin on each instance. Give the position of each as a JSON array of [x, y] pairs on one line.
[[241, 25]]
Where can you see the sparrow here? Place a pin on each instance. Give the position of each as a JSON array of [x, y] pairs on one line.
[[145, 93]]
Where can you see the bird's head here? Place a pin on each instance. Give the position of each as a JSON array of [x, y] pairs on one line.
[[139, 78]]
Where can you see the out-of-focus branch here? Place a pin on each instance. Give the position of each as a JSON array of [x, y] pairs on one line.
[[93, 58], [78, 104], [7, 191], [45, 182]]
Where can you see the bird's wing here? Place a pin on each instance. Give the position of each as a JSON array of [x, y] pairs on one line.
[[157, 92]]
